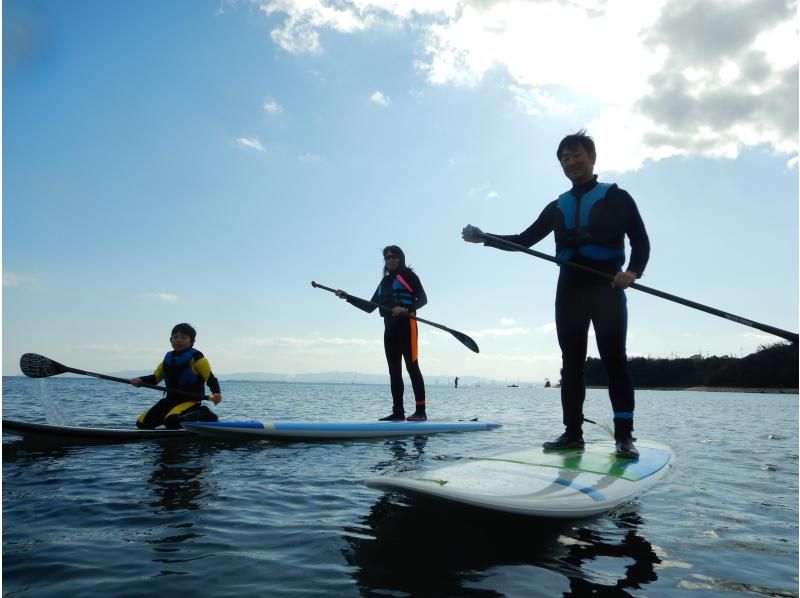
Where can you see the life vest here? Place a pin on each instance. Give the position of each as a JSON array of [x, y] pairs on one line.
[[400, 292], [178, 372], [577, 236]]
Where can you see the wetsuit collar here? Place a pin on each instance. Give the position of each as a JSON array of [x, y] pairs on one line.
[[582, 188]]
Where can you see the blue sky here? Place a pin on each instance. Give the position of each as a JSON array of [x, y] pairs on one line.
[[204, 161]]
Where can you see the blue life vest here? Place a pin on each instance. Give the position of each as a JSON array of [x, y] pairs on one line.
[[400, 294], [577, 234], [178, 372]]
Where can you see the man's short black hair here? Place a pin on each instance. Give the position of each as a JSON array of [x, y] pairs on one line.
[[186, 329], [577, 139]]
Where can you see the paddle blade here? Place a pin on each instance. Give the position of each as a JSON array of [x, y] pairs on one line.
[[466, 341], [39, 366]]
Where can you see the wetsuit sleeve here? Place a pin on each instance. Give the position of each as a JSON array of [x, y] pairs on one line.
[[361, 304], [634, 228], [202, 368], [156, 376], [420, 298], [543, 226]]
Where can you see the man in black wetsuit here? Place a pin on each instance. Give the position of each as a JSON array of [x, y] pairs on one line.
[[590, 222]]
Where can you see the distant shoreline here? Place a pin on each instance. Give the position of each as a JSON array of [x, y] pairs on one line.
[[768, 391], [771, 391]]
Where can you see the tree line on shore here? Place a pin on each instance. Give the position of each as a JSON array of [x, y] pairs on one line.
[[772, 366]]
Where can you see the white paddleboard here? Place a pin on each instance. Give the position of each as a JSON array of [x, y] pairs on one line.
[[570, 483], [331, 430]]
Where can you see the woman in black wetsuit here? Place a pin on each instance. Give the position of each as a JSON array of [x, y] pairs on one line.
[[401, 290]]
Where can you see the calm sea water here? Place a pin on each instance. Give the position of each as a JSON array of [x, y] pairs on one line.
[[208, 518]]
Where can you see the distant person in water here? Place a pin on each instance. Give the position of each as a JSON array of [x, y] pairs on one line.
[[456, 382], [401, 290], [183, 369], [590, 222]]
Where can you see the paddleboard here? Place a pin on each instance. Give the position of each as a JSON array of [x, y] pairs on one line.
[[330, 430], [51, 431], [561, 484]]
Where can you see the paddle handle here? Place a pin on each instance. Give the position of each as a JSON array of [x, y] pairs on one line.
[[785, 334], [316, 285]]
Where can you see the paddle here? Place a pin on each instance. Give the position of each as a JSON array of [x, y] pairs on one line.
[[39, 366], [789, 336], [465, 340]]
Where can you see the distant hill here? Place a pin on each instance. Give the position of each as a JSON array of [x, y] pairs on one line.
[[339, 378], [772, 366]]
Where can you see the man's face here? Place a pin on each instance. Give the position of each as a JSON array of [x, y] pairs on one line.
[[578, 166]]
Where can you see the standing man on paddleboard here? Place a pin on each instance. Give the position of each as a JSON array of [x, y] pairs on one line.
[[590, 222], [401, 289]]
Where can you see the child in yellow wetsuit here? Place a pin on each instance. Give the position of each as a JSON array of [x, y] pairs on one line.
[[184, 369]]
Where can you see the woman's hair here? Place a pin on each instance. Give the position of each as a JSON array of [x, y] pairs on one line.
[[395, 250], [186, 329]]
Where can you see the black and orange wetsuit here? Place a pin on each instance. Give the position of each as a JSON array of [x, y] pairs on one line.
[[187, 371], [404, 289]]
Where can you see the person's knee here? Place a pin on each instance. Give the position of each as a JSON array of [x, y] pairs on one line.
[[142, 423]]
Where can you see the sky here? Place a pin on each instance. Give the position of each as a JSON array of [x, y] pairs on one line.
[[204, 161]]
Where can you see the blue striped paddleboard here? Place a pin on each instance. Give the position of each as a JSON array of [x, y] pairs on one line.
[[560, 484], [330, 430]]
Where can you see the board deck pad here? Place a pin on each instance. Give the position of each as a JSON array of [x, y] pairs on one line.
[[331, 430], [604, 463], [538, 482]]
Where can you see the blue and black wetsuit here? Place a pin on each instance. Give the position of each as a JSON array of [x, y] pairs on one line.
[[590, 222], [187, 371], [404, 289]]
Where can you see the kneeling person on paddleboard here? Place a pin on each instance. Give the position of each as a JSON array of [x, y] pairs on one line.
[[401, 289], [185, 372]]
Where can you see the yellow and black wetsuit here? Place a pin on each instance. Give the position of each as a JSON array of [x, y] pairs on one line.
[[404, 289], [187, 371]]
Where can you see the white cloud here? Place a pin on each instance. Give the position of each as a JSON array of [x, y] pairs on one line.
[[556, 357], [291, 342], [494, 332], [507, 321], [119, 349], [309, 157], [272, 107], [492, 195], [15, 280], [380, 99], [548, 328], [658, 78], [251, 143], [163, 297]]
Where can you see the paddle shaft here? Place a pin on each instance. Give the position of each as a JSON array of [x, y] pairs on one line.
[[428, 322], [785, 334], [467, 341], [127, 381]]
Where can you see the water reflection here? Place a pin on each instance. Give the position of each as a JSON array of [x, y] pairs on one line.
[[587, 545], [429, 548], [404, 454], [177, 477], [178, 491]]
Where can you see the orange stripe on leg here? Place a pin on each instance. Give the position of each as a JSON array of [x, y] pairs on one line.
[[414, 352]]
